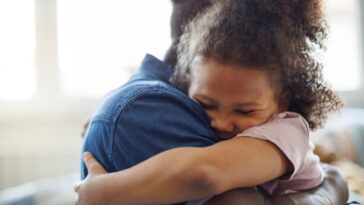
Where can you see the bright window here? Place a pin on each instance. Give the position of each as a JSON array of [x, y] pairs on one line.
[[17, 49], [343, 66], [101, 42]]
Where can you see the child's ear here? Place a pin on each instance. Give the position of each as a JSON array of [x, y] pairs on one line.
[[284, 101]]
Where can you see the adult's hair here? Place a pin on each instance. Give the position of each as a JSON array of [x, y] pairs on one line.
[[183, 11], [284, 38]]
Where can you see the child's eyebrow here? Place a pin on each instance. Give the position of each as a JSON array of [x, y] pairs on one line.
[[246, 104], [206, 98], [240, 104]]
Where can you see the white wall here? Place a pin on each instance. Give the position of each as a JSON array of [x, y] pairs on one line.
[[37, 145]]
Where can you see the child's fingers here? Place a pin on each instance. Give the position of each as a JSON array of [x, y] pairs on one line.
[[93, 166], [76, 186], [84, 128]]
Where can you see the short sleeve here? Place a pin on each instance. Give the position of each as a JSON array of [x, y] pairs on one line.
[[290, 133]]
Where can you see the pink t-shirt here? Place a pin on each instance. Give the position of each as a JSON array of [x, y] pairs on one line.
[[289, 131]]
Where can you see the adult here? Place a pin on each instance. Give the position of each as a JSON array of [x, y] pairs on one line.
[[123, 132]]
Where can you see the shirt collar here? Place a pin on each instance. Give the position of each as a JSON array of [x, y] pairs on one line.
[[154, 69]]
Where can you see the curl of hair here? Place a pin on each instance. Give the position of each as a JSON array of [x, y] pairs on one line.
[[283, 37]]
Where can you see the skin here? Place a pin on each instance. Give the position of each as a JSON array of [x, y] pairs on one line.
[[234, 97], [245, 196], [334, 189], [212, 170]]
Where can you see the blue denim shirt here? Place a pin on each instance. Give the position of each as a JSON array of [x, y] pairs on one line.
[[144, 117]]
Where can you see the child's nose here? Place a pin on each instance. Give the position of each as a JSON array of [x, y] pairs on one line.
[[222, 124]]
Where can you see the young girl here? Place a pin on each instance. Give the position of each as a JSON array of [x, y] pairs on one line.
[[250, 64]]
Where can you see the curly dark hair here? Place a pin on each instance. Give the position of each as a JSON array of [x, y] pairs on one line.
[[283, 37]]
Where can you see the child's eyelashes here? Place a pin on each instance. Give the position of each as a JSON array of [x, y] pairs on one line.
[[244, 112], [208, 106]]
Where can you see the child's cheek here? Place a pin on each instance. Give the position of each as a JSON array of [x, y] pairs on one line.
[[251, 121]]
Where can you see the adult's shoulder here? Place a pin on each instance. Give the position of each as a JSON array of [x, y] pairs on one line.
[[145, 118], [147, 96]]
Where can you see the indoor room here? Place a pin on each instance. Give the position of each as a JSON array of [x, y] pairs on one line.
[[60, 58]]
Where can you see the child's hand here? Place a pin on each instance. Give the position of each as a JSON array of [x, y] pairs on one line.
[[87, 191], [84, 128]]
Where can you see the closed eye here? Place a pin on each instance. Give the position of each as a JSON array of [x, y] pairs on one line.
[[244, 112], [207, 106]]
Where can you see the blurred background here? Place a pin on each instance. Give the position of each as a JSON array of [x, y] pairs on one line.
[[58, 58]]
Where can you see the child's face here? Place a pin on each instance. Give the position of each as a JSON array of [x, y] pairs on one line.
[[234, 97]]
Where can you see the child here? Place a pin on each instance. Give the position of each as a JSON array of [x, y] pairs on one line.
[[246, 63]]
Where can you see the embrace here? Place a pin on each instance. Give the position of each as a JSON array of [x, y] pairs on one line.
[[224, 119]]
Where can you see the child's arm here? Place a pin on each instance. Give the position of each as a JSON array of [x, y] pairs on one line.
[[188, 173]]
